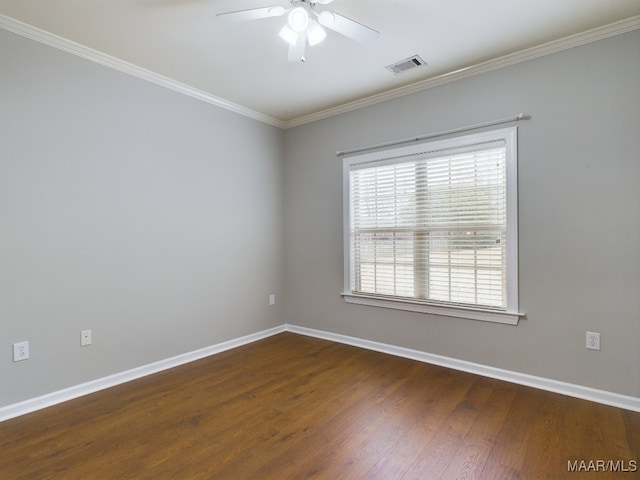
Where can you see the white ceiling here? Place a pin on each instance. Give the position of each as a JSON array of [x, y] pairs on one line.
[[246, 63]]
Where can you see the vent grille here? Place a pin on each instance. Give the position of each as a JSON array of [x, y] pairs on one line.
[[406, 64]]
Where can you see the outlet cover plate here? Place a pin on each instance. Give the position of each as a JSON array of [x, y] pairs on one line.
[[20, 351], [85, 338], [593, 341]]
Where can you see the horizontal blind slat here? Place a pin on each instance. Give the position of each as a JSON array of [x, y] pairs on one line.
[[437, 223]]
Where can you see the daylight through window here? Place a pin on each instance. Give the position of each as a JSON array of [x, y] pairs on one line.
[[434, 224]]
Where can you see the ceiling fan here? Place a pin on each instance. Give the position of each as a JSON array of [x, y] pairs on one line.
[[304, 24]]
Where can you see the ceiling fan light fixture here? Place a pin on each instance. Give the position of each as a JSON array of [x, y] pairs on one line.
[[298, 19], [315, 33], [326, 18], [288, 35], [305, 24]]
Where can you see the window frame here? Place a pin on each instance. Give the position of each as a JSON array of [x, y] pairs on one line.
[[396, 155]]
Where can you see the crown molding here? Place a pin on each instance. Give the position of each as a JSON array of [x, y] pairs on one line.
[[64, 44], [61, 43], [600, 33]]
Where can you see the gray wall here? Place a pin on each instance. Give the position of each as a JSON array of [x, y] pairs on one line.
[[163, 223], [147, 216], [579, 194]]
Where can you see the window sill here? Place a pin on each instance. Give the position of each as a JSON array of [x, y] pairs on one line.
[[510, 318]]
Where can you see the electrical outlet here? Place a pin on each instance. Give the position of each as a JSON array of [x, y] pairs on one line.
[[85, 338], [593, 341], [272, 299], [20, 351]]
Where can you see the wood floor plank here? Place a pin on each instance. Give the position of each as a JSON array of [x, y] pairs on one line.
[[342, 425], [307, 423], [430, 416], [444, 445], [515, 440], [295, 407], [472, 455], [545, 429]]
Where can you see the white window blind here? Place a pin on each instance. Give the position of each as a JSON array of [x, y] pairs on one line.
[[432, 226]]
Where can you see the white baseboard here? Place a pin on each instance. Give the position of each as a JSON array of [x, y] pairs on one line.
[[37, 403], [586, 393], [578, 391]]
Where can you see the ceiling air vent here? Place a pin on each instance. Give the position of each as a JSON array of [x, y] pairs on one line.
[[406, 64]]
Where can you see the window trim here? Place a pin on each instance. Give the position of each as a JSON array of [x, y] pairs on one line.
[[512, 314]]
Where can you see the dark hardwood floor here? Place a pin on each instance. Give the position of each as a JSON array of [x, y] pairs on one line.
[[295, 407]]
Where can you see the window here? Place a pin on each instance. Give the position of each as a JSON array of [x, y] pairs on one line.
[[433, 227]]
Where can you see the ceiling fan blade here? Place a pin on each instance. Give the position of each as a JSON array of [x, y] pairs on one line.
[[251, 14], [296, 51], [347, 27]]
